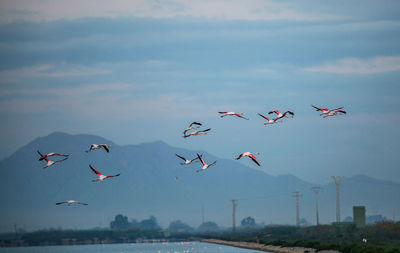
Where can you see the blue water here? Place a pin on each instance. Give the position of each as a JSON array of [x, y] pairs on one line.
[[188, 247]]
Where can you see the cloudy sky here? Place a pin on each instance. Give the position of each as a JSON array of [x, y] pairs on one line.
[[140, 71]]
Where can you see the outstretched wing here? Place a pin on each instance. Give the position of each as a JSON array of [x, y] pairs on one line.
[[114, 175], [194, 159], [60, 203], [183, 158], [105, 147], [263, 116], [60, 160], [195, 123], [318, 109], [336, 109], [56, 154], [201, 159], [205, 130], [212, 164], [94, 170], [240, 156], [240, 116], [254, 159]]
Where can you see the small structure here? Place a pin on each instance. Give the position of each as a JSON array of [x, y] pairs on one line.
[[359, 216]]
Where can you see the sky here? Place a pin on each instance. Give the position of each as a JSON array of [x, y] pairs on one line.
[[141, 71]]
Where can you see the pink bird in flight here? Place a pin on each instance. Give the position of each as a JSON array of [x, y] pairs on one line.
[[240, 115], [199, 132], [327, 112], [101, 176], [49, 162], [205, 166], [248, 154], [270, 121]]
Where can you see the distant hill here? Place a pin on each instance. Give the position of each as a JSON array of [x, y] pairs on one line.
[[148, 186]]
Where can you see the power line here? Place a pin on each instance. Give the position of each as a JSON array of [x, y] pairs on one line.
[[267, 196]]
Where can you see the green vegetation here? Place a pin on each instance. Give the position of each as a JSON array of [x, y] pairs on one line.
[[345, 237]]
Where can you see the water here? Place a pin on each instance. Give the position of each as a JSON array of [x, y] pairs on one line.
[[187, 247]]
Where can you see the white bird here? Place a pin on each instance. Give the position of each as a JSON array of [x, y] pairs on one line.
[[186, 160], [200, 132], [248, 154], [326, 112], [101, 176], [205, 166], [49, 162], [240, 115], [281, 115], [95, 146], [198, 124], [70, 202], [270, 121], [42, 157]]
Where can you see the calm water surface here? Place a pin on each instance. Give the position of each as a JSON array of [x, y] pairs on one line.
[[188, 247]]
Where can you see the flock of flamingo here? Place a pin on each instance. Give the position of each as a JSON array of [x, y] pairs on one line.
[[100, 176], [190, 131], [278, 119]]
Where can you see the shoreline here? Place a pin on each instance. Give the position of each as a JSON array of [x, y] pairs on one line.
[[266, 248]]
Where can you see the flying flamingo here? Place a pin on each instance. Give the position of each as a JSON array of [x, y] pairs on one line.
[[240, 115], [95, 146], [198, 124], [49, 162], [280, 115], [200, 132], [186, 160], [270, 121], [101, 176], [326, 112], [70, 202], [248, 154], [205, 166], [42, 157]]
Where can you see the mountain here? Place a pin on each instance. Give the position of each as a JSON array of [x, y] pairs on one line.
[[148, 186]]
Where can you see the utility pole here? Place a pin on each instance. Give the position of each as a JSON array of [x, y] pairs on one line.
[[337, 180], [316, 191], [234, 204], [297, 195]]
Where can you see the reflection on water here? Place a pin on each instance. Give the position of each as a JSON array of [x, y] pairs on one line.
[[181, 247]]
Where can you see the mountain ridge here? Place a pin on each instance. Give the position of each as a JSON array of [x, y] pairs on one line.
[[148, 186]]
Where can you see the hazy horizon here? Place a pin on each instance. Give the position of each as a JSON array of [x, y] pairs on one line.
[[153, 189]]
